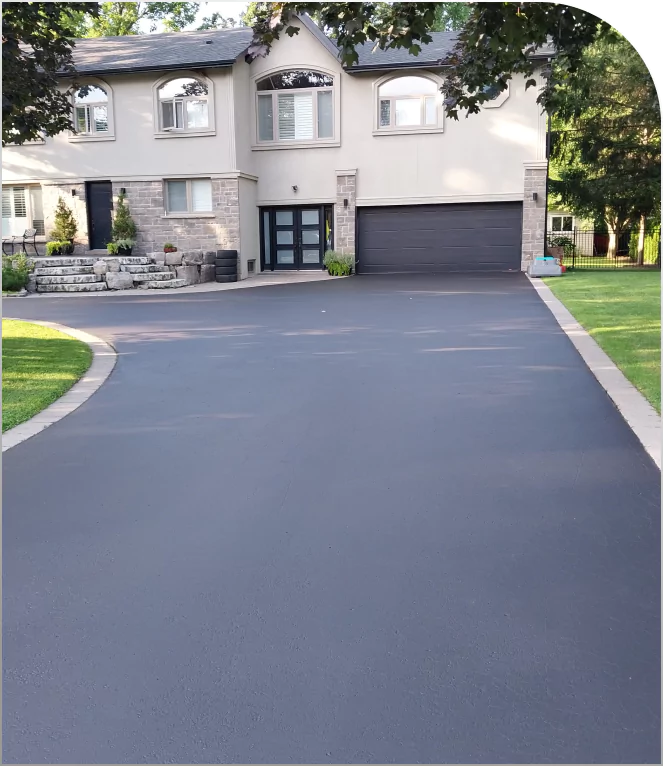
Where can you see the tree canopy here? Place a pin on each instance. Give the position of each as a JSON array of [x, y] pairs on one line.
[[607, 129], [35, 47], [126, 18]]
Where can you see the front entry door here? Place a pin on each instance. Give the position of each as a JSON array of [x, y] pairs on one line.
[[99, 206], [298, 237]]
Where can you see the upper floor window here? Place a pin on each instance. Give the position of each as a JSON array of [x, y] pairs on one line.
[[407, 103], [92, 113], [295, 105], [183, 105]]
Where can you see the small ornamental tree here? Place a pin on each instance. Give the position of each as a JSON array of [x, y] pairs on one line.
[[65, 224], [124, 226]]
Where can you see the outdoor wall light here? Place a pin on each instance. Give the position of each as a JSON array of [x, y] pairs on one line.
[[123, 190], [535, 196], [73, 192], [294, 188], [345, 203]]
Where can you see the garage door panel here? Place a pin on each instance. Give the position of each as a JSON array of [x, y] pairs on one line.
[[430, 238]]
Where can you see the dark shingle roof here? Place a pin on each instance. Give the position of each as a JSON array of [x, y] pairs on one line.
[[149, 53], [430, 55]]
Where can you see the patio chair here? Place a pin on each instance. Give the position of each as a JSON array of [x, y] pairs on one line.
[[29, 237]]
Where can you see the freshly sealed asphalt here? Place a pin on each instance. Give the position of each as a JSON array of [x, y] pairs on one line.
[[375, 520]]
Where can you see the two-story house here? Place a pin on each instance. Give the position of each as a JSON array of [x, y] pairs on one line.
[[288, 155]]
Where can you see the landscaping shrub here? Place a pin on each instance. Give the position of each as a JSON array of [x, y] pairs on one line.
[[124, 226], [652, 244], [339, 264], [59, 248], [65, 224], [15, 272]]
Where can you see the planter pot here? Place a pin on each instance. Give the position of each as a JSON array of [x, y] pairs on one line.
[[170, 250], [68, 249], [124, 250]]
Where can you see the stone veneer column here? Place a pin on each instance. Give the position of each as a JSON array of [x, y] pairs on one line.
[[534, 212], [76, 203], [344, 232]]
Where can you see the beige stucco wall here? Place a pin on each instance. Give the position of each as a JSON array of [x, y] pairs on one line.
[[475, 158], [135, 153]]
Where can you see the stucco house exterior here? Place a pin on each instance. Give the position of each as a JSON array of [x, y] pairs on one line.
[[287, 156]]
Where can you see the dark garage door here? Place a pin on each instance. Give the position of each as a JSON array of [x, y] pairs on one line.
[[439, 238]]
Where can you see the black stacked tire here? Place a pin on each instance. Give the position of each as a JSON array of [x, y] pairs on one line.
[[226, 265]]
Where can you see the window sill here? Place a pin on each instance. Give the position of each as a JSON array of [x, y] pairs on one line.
[[189, 215], [185, 133], [85, 139], [267, 145], [406, 131]]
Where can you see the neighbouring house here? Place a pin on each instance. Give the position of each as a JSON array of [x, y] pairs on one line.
[[565, 224], [289, 155]]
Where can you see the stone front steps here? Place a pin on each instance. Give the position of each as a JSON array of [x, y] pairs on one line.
[[163, 284], [74, 274], [90, 287]]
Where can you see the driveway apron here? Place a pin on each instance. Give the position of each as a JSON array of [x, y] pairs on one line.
[[374, 520]]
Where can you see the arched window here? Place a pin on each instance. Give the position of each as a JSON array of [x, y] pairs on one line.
[[408, 102], [183, 105], [295, 105], [91, 110]]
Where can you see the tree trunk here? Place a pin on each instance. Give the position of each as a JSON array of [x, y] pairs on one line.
[[641, 241], [615, 231]]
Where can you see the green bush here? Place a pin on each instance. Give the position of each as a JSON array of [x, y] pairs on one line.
[[651, 245], [65, 224], [339, 264], [112, 248], [15, 272], [59, 248], [124, 226]]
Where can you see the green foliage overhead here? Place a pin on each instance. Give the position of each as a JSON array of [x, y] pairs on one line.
[[36, 46], [607, 148], [126, 18]]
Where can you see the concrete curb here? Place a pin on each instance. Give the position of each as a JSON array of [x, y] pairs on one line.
[[643, 419], [102, 365], [259, 280]]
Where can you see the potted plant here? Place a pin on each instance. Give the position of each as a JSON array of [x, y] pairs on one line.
[[124, 228], [65, 228], [124, 246], [56, 247], [169, 247], [339, 264], [112, 248]]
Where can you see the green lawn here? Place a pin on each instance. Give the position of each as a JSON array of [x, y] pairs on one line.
[[622, 311], [38, 366]]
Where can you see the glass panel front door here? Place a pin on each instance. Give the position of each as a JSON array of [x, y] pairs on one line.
[[294, 238]]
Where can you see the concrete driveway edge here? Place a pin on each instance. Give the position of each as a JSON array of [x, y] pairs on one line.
[[642, 418], [103, 362]]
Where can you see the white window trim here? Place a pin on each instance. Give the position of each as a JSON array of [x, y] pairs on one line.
[[108, 135], [561, 231], [498, 100], [401, 130], [334, 140], [29, 217], [188, 213], [210, 130]]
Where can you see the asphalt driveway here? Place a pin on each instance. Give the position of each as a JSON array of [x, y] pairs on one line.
[[383, 519]]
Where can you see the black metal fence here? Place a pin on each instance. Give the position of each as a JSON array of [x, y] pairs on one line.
[[590, 249]]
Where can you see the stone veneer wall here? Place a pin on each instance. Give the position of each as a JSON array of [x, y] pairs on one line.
[[76, 203], [219, 230], [534, 212], [344, 231]]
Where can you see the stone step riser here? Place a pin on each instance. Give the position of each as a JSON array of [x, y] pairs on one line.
[[145, 268], [84, 288], [168, 283], [69, 279], [57, 261], [62, 271], [161, 276]]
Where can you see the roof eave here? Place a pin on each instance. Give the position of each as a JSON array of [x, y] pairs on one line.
[[388, 67], [138, 70]]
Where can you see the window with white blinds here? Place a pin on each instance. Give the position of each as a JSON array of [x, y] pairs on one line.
[[188, 196], [305, 112], [21, 209]]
